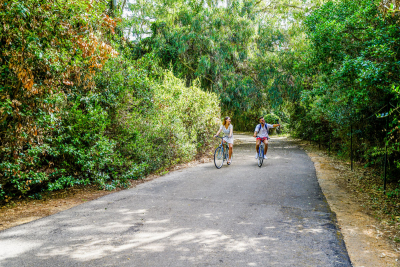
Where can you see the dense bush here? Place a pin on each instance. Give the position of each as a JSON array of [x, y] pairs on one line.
[[160, 121], [349, 81], [49, 51], [189, 114], [74, 112]]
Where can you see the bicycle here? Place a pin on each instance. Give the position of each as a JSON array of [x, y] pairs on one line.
[[260, 158], [221, 153]]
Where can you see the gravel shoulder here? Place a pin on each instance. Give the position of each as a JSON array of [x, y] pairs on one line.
[[366, 238]]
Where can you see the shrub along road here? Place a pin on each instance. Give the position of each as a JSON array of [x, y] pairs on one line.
[[240, 215]]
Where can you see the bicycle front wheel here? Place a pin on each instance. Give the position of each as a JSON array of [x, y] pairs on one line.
[[218, 157], [260, 157]]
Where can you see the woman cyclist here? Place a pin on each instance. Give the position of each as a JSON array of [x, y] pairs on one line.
[[227, 129]]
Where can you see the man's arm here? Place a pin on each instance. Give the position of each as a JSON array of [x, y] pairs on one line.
[[273, 125], [255, 132]]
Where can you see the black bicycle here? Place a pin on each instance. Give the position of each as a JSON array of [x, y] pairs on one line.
[[221, 153], [260, 158]]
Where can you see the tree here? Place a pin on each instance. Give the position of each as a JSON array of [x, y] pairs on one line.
[[235, 48]]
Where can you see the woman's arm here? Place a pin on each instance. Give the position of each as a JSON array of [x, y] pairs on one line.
[[231, 132], [218, 132]]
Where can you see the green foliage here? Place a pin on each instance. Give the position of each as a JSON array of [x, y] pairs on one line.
[[177, 123], [73, 111], [271, 118], [91, 116], [46, 48], [348, 78], [234, 51], [187, 112], [50, 51]]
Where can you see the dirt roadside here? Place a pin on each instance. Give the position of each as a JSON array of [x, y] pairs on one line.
[[365, 237]]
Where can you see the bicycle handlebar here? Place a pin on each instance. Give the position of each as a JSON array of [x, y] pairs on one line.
[[222, 137]]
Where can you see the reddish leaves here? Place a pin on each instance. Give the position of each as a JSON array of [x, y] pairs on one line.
[[48, 49]]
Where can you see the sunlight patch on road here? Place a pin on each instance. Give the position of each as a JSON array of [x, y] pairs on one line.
[[13, 249], [150, 221], [154, 240], [312, 231], [128, 211]]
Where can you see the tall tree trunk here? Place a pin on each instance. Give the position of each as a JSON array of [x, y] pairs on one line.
[[123, 6], [113, 6]]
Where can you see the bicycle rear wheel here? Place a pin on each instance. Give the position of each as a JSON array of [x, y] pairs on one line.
[[260, 158], [218, 157]]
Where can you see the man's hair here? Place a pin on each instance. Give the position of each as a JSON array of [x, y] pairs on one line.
[[262, 117]]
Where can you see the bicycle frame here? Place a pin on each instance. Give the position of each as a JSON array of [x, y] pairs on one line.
[[224, 150], [261, 150], [262, 145]]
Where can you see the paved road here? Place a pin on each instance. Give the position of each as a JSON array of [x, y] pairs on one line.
[[240, 215]]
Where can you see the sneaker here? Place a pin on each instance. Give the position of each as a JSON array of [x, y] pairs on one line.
[[256, 155], [229, 161], [265, 157]]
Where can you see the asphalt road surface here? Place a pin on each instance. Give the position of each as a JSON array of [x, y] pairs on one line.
[[239, 215]]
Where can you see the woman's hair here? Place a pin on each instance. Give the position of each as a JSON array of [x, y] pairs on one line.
[[227, 117]]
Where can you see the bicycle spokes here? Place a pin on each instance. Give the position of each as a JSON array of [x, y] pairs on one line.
[[218, 157], [220, 154], [260, 156]]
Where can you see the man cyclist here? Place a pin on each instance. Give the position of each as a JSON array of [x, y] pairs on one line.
[[262, 132]]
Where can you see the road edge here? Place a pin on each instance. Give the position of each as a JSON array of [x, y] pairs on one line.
[[364, 244]]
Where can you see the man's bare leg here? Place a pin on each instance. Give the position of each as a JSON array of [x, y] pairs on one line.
[[257, 145], [266, 146]]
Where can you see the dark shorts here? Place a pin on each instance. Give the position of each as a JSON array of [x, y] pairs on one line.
[[262, 138]]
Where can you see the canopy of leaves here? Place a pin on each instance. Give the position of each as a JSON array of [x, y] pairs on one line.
[[349, 74], [234, 48]]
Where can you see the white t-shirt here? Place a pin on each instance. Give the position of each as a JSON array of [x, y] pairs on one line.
[[264, 130]]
